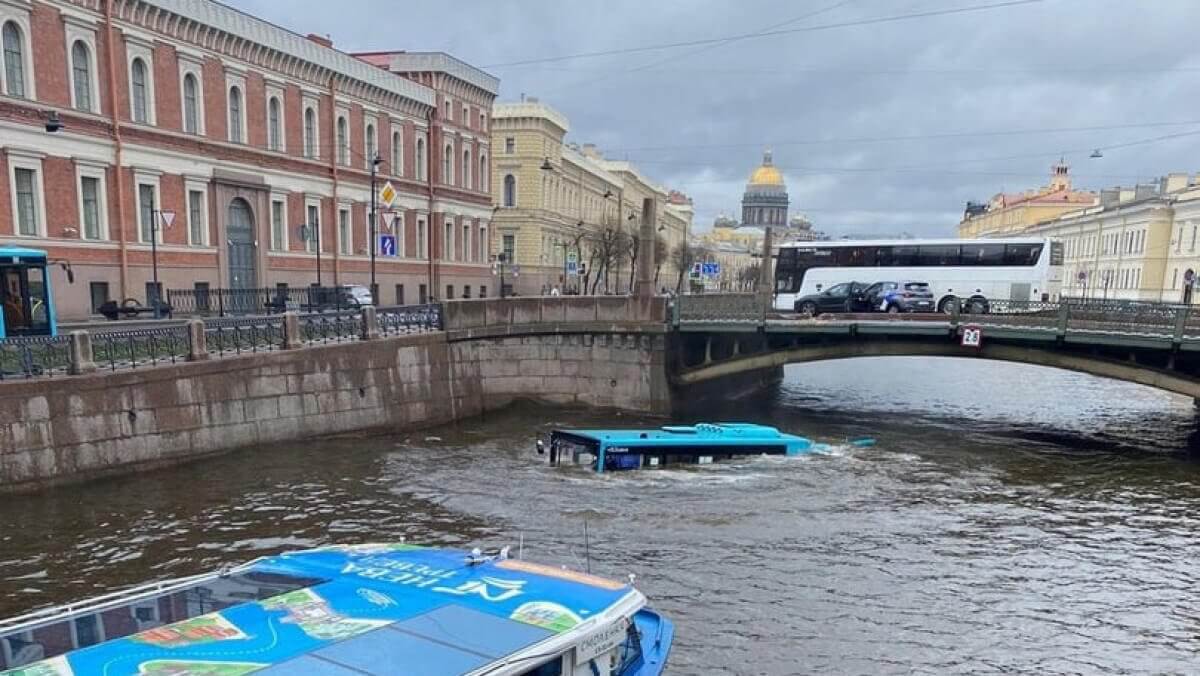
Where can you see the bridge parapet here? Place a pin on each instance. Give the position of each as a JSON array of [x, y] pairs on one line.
[[484, 313]]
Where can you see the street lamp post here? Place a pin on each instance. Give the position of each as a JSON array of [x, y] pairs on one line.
[[155, 216], [374, 224]]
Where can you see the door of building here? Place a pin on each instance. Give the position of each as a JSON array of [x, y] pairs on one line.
[[243, 257]]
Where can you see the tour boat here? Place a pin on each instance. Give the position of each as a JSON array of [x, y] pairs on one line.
[[700, 443], [344, 610]]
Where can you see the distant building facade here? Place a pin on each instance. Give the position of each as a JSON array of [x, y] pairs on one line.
[[1011, 214]]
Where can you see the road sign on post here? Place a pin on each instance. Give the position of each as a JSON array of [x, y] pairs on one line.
[[572, 264], [168, 218], [387, 194], [972, 336], [387, 245]]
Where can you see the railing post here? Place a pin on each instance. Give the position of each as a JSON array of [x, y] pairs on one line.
[[1181, 315], [955, 314], [221, 302], [370, 323], [197, 340], [292, 339], [675, 302], [1064, 318], [82, 360]]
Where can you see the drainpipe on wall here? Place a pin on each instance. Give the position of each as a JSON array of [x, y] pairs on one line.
[[429, 164], [118, 174], [333, 161]]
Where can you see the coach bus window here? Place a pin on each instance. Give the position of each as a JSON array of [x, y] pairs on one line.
[[854, 257], [939, 255], [1022, 254], [883, 256], [983, 254], [905, 256]]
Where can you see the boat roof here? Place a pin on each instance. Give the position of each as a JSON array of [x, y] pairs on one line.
[[727, 433], [365, 609], [9, 251]]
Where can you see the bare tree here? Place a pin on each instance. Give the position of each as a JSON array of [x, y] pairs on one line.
[[608, 247], [683, 257], [634, 243], [660, 255], [748, 277]]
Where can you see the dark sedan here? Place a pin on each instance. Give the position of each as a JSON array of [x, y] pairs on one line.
[[845, 297]]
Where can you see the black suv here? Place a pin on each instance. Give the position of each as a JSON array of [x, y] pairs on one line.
[[896, 297], [845, 297]]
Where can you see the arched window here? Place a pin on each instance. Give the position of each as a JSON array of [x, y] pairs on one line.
[[371, 145], [421, 159], [483, 175], [274, 124], [81, 72], [397, 154], [510, 191], [466, 169], [310, 133], [343, 142], [448, 165], [14, 60], [235, 114], [191, 104], [140, 102]]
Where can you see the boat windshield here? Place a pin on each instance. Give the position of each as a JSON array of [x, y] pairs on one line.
[[36, 641]]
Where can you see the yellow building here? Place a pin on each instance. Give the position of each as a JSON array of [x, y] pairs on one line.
[[1012, 214], [555, 198]]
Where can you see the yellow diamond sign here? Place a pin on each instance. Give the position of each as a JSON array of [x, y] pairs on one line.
[[387, 194]]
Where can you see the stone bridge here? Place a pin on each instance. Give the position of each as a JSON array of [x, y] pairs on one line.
[[729, 336]]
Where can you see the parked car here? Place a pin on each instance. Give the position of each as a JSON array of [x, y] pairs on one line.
[[354, 295], [896, 297], [845, 297]]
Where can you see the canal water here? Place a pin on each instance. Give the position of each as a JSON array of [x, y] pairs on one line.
[[1011, 519]]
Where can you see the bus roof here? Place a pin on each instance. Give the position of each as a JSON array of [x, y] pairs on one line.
[[910, 242], [7, 251]]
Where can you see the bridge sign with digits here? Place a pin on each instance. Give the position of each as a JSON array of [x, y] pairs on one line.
[[972, 336]]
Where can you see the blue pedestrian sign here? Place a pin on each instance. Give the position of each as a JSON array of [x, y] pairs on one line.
[[387, 245], [711, 269]]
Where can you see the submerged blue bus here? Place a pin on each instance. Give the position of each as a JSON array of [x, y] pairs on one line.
[[25, 296]]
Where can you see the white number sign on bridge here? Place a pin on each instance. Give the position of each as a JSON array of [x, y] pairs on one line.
[[972, 336]]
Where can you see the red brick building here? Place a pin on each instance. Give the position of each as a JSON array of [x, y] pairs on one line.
[[247, 132]]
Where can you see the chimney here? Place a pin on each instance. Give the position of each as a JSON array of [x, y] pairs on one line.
[[324, 41], [1174, 182]]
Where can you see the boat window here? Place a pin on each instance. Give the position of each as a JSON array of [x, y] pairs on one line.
[[552, 668], [113, 621]]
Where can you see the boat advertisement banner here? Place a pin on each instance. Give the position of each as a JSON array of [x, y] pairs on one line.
[[366, 589]]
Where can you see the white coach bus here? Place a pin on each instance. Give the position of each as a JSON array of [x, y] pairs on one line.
[[970, 272]]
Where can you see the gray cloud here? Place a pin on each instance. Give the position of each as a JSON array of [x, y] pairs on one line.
[[700, 122]]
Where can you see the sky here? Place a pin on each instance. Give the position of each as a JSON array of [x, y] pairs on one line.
[[885, 116]]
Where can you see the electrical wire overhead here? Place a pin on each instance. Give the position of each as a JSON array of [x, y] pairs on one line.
[[762, 34]]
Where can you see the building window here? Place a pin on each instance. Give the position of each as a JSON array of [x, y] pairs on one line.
[[191, 104], [89, 206], [510, 191], [146, 212], [310, 133], [448, 110], [235, 115], [275, 124], [422, 239], [421, 159], [371, 146], [484, 186], [81, 74], [484, 249], [197, 223], [510, 145], [466, 291], [14, 60], [399, 294], [466, 169], [509, 248], [397, 153], [99, 294], [343, 142], [482, 124], [449, 292], [448, 165], [482, 291], [345, 241], [28, 214], [313, 230], [140, 101], [466, 242], [278, 225], [448, 242]]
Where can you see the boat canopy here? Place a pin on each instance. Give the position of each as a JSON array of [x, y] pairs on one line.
[[366, 609]]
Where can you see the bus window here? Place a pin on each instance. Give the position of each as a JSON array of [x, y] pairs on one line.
[[883, 256], [905, 256], [855, 257], [939, 255], [16, 312], [1022, 254], [983, 254], [39, 303]]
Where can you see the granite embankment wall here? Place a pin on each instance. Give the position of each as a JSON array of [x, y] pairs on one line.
[[594, 351]]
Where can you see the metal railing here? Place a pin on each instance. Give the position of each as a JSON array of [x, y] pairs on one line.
[[403, 319], [224, 337], [35, 356], [331, 327], [718, 307], [144, 347], [270, 300]]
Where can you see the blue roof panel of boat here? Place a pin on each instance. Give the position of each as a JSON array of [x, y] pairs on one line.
[[381, 609], [690, 435]]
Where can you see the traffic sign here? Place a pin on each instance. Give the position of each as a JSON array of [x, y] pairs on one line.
[[697, 270], [387, 194], [167, 217], [711, 269], [387, 245], [972, 336], [572, 264]]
